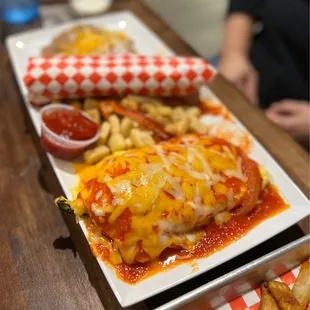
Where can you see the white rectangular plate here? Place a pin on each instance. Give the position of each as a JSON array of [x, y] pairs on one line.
[[22, 46]]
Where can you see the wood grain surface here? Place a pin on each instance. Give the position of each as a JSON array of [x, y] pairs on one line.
[[45, 261]]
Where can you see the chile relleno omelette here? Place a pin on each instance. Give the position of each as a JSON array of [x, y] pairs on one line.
[[145, 201]]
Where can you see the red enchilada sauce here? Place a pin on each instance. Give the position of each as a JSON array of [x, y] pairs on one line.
[[70, 125], [216, 238]]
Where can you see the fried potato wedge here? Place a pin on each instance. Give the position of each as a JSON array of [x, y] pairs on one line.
[[283, 296], [267, 302], [301, 288]]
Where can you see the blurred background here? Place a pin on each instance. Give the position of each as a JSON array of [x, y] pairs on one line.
[[199, 22]]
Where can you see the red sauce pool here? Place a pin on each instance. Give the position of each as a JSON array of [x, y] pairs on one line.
[[70, 125], [216, 238], [214, 110]]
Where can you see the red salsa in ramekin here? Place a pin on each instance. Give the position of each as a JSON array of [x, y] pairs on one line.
[[66, 131]]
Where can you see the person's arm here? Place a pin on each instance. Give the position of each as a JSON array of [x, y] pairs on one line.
[[235, 64], [238, 28], [237, 35]]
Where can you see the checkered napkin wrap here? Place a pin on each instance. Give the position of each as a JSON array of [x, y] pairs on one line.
[[76, 77]]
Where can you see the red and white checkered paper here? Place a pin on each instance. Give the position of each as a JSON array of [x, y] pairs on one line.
[[251, 300], [76, 77]]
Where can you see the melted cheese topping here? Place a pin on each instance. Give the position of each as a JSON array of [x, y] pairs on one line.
[[149, 199]]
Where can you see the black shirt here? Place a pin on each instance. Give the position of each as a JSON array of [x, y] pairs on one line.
[[280, 51]]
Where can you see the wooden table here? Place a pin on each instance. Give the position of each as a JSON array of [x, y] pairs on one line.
[[39, 264]]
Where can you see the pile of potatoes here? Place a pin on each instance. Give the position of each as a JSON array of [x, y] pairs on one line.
[[122, 133]]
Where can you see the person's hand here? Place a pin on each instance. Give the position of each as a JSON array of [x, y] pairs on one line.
[[238, 69], [291, 115]]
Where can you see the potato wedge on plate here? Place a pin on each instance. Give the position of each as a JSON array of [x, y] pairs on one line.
[[267, 301], [283, 296], [278, 296], [301, 288]]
